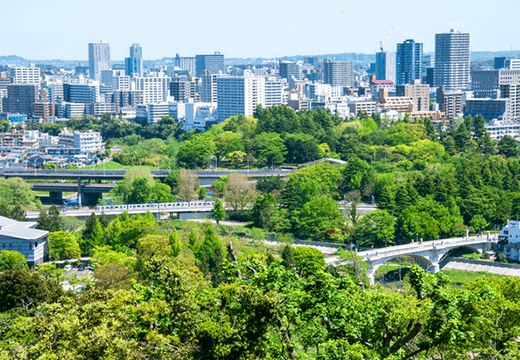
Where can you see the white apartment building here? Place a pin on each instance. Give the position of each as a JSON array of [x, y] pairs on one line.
[[315, 91], [68, 110], [122, 82], [177, 111], [198, 115], [239, 95], [275, 92], [87, 142], [497, 129], [209, 88], [26, 75], [155, 112], [155, 89]]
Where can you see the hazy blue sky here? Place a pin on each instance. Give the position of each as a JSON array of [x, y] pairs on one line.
[[61, 29]]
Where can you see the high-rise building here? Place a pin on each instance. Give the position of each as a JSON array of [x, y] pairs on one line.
[[274, 92], [182, 91], [385, 66], [409, 61], [155, 89], [134, 63], [98, 59], [239, 95], [427, 62], [496, 84], [20, 98], [214, 63], [209, 87], [185, 63], [289, 70], [26, 75], [452, 60], [313, 60], [338, 73]]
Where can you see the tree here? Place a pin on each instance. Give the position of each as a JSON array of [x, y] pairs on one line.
[[175, 243], [193, 243], [263, 210], [51, 220], [12, 259], [136, 172], [239, 192], [92, 235], [320, 218], [202, 193], [23, 288], [63, 245], [508, 147], [478, 222], [153, 245], [374, 229], [210, 256], [218, 212], [462, 137], [307, 259], [287, 256], [188, 185], [140, 193]]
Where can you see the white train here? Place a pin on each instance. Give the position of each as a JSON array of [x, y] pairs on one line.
[[158, 207]]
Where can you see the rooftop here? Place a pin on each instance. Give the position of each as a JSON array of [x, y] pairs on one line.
[[20, 229]]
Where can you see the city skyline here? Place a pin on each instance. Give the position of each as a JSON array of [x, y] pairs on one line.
[[273, 30]]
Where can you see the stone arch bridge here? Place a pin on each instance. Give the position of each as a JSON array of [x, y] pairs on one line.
[[432, 251]]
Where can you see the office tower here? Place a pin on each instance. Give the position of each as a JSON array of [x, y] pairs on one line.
[[313, 60], [239, 95], [81, 93], [289, 70], [134, 63], [209, 87], [98, 59], [385, 66], [409, 61], [419, 93], [338, 73], [185, 63], [498, 84], [26, 75], [20, 98], [214, 63], [452, 60], [155, 89]]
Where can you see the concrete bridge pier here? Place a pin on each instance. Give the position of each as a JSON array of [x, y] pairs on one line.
[[371, 273], [79, 192]]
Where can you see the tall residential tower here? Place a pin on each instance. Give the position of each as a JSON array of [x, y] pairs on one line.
[[98, 59], [409, 61], [452, 60]]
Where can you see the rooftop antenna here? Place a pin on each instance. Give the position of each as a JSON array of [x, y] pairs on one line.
[[382, 44]]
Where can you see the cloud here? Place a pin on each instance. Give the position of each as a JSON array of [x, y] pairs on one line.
[[458, 23]]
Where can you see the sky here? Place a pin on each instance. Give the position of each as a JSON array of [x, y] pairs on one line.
[[61, 29]]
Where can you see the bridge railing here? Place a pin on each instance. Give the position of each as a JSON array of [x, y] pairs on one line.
[[407, 249]]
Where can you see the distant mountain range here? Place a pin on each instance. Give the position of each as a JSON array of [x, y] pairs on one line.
[[13, 60]]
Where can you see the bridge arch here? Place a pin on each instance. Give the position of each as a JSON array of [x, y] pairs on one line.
[[462, 250]]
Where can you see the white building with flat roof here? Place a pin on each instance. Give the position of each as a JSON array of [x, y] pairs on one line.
[[155, 88], [26, 75], [239, 95], [199, 115]]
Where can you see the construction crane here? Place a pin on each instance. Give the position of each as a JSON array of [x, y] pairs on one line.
[[386, 38]]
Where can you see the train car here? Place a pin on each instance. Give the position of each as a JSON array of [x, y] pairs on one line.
[[156, 206]]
